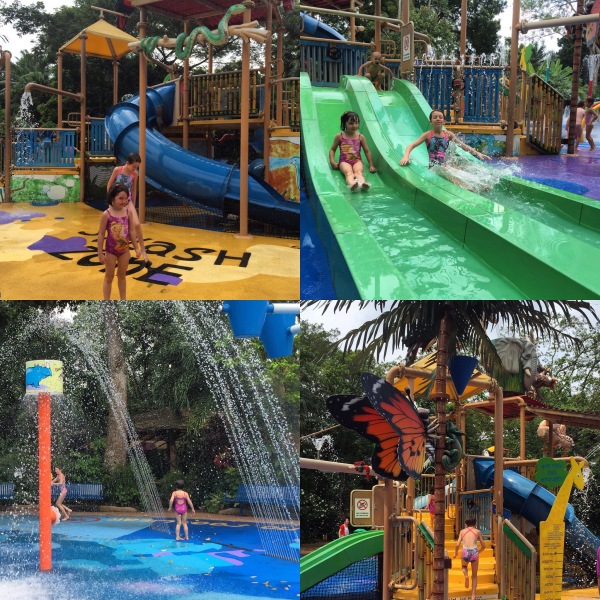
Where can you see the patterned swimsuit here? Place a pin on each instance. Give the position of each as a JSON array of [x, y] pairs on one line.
[[126, 180], [349, 150], [470, 554], [437, 147], [117, 234]]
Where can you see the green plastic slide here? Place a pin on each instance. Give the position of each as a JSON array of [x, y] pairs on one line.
[[337, 555], [416, 235]]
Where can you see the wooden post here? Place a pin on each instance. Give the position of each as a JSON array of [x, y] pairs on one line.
[[512, 86], [143, 77], [59, 83], [378, 26], [498, 470], [387, 538], [267, 95], [115, 81], [522, 422], [83, 110], [574, 94], [185, 109], [244, 128], [45, 475], [7, 126], [463, 28]]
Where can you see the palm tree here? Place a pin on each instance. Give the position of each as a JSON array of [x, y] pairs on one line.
[[414, 324]]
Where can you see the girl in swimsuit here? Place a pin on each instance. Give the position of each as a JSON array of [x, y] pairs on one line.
[[470, 536], [61, 480], [127, 175], [350, 143], [181, 500], [115, 223]]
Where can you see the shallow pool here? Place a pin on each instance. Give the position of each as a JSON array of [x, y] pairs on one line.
[[106, 558]]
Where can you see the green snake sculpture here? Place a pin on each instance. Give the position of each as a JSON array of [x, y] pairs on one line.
[[183, 50]]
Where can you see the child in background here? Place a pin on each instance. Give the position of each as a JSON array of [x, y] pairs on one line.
[[590, 117], [115, 223], [181, 500], [127, 175], [431, 502], [350, 143], [61, 480], [375, 70]]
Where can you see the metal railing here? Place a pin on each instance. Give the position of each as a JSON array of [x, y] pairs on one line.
[[424, 563], [404, 553], [214, 95], [520, 561], [477, 504], [545, 113], [287, 112]]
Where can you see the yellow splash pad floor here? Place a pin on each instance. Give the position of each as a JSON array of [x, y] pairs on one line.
[[50, 253]]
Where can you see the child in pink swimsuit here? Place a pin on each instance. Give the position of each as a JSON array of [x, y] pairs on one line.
[[127, 175], [181, 500], [590, 116], [115, 223], [470, 538], [350, 143]]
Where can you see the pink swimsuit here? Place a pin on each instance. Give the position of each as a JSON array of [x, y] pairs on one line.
[[349, 150], [117, 234], [180, 506], [126, 180]]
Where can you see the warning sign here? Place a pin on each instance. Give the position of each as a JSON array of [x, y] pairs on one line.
[[362, 508], [408, 50]]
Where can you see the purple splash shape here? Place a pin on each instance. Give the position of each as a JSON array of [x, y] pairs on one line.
[[10, 217], [50, 244], [171, 279], [234, 562]]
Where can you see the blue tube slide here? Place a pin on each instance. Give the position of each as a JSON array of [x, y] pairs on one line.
[[527, 498], [315, 28], [188, 176]]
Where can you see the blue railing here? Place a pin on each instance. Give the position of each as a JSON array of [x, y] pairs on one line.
[[57, 148], [326, 62]]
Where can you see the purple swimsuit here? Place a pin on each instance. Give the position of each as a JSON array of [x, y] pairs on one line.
[[117, 234], [349, 150]]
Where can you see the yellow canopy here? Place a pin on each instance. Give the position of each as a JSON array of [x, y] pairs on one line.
[[104, 41], [427, 363]]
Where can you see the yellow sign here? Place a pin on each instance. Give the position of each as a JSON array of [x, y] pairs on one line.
[[44, 376], [552, 543]]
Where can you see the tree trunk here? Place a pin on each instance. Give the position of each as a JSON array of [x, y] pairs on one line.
[[575, 81], [116, 437], [441, 398]]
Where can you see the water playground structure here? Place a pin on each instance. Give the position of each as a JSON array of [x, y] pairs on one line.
[[88, 547], [521, 505], [421, 235], [172, 125]]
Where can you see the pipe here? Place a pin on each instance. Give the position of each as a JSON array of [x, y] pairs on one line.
[[525, 26], [83, 110], [343, 13], [331, 467], [51, 90], [6, 55]]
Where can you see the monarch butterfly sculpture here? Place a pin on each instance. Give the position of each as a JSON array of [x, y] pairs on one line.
[[404, 439]]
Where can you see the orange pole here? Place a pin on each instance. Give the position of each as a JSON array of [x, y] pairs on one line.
[[6, 55], [267, 95], [45, 473], [83, 121], [184, 81]]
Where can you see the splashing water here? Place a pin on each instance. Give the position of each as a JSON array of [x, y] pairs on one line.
[[257, 430], [472, 175]]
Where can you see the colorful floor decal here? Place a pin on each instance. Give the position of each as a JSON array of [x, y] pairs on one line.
[[58, 245], [127, 559]]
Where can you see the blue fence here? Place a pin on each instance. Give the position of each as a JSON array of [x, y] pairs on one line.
[[57, 148], [326, 62]]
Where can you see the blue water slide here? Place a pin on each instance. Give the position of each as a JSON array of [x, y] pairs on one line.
[[315, 28], [188, 176], [529, 499]]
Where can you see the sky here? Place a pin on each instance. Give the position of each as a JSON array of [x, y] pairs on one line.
[[344, 322], [16, 43]]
